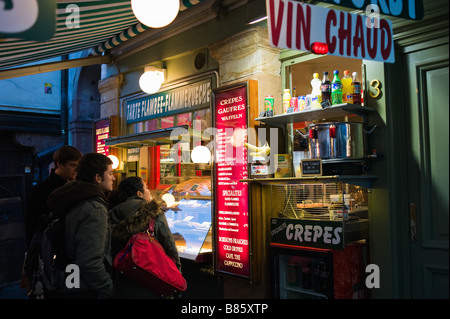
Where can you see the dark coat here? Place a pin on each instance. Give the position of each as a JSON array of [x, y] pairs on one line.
[[88, 237], [37, 202], [132, 217]]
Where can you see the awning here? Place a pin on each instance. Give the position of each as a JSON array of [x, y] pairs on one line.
[[102, 25]]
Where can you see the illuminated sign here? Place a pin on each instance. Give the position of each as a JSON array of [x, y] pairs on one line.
[[407, 9], [189, 97], [294, 25], [231, 196], [308, 233], [101, 134]]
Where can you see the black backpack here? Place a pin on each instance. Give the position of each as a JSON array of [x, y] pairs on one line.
[[46, 259]]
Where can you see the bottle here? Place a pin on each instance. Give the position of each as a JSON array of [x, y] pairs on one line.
[[356, 87], [294, 101], [336, 89], [347, 92], [326, 88], [307, 276], [316, 93], [286, 100]]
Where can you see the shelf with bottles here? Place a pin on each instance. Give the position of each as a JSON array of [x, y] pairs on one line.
[[338, 110]]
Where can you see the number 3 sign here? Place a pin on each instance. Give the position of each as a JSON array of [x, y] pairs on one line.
[[376, 85]]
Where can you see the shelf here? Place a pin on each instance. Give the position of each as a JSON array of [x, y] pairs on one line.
[[360, 180], [311, 115]]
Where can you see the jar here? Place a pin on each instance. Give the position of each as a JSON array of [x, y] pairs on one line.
[[260, 168]]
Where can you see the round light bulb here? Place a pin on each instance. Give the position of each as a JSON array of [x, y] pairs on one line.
[[115, 161], [150, 82], [201, 154], [155, 13], [169, 199]]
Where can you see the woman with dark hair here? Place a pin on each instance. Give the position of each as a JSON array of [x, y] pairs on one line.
[[131, 208]]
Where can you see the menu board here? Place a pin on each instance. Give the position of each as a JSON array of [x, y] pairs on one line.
[[101, 134], [231, 196]]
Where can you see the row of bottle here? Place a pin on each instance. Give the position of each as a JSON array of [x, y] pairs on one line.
[[347, 90], [310, 275]]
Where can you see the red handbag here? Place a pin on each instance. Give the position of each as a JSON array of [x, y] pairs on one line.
[[144, 261]]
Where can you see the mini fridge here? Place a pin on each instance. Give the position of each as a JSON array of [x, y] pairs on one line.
[[312, 273]]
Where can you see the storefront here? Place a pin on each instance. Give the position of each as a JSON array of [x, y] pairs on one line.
[[280, 232]]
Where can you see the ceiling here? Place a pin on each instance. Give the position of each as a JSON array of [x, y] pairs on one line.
[[102, 25]]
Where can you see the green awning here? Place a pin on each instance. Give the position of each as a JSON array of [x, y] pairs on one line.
[[102, 25]]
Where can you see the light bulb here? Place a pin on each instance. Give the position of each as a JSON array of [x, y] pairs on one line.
[[115, 161], [201, 154], [155, 13], [150, 82], [169, 199]]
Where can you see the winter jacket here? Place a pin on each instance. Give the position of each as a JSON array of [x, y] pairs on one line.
[[87, 234], [37, 202], [132, 217]]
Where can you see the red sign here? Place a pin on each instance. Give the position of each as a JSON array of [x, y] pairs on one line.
[[294, 25], [231, 196], [101, 134]]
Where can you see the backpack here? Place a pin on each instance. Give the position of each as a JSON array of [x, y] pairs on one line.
[[46, 259]]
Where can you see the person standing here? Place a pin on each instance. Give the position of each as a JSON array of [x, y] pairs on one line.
[[65, 159], [132, 209], [83, 205]]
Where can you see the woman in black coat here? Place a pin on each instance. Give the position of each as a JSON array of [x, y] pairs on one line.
[[131, 210]]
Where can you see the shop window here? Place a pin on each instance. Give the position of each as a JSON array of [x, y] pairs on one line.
[[184, 119], [151, 125], [167, 122]]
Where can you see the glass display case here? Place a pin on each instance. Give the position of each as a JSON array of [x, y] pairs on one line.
[[322, 214], [189, 217]]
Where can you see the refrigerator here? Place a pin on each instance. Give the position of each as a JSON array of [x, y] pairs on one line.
[[312, 273]]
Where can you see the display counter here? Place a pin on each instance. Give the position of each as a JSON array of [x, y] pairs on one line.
[[189, 218]]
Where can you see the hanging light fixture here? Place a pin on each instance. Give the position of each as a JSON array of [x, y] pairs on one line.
[[150, 82], [201, 156], [115, 161], [155, 13]]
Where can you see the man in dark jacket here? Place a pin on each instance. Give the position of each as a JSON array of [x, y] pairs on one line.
[[87, 231], [66, 159]]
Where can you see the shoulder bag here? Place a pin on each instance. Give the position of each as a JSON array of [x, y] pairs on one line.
[[144, 261]]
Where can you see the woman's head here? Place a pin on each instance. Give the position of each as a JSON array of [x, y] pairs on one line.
[[129, 187], [132, 186]]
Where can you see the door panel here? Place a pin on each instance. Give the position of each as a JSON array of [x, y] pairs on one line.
[[427, 138]]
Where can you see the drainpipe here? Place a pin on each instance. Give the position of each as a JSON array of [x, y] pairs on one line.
[[64, 103]]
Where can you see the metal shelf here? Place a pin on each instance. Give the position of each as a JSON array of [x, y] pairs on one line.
[[360, 180], [311, 115]]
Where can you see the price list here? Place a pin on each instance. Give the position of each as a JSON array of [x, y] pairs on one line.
[[232, 229]]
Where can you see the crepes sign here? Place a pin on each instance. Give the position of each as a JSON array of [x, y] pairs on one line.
[[308, 233], [294, 25]]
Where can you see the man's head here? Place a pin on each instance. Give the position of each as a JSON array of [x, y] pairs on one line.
[[96, 168], [66, 159]]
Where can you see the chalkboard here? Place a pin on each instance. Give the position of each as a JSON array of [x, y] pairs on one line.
[[311, 167]]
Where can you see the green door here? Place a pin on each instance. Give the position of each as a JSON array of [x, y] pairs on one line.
[[427, 140]]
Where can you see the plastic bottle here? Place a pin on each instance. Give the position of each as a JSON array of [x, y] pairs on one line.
[[294, 100], [347, 91], [316, 93], [326, 88], [356, 89], [336, 89], [286, 100]]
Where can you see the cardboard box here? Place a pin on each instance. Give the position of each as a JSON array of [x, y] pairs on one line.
[[283, 165]]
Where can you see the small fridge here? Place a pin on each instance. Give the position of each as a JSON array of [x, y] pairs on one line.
[[313, 273]]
